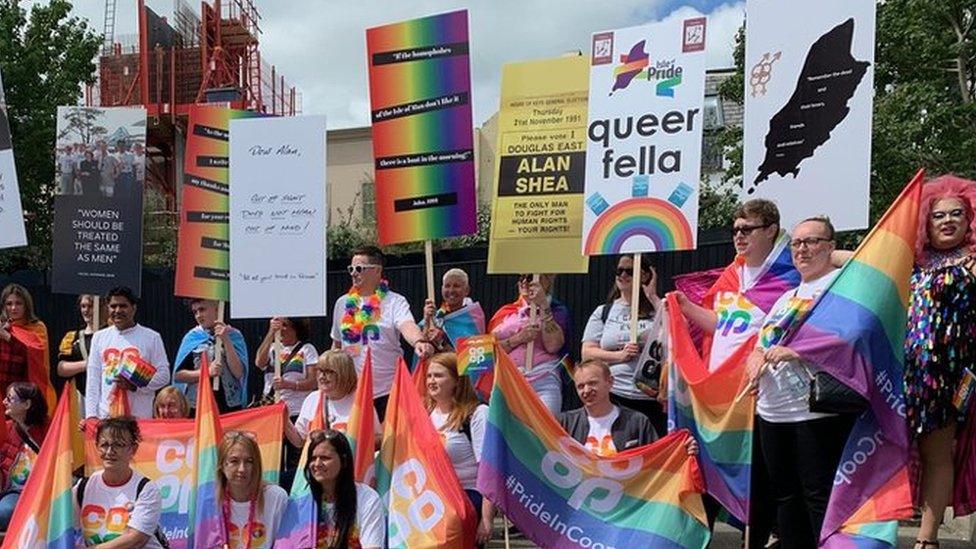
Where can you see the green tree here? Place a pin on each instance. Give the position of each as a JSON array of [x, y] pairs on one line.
[[45, 57]]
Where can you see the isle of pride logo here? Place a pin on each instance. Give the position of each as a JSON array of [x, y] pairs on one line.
[[637, 66]]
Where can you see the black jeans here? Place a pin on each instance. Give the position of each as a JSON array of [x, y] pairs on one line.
[[802, 458]]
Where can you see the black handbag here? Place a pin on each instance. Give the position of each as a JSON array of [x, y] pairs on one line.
[[829, 395]]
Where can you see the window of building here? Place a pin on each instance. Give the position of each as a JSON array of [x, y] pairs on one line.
[[714, 118], [368, 194]]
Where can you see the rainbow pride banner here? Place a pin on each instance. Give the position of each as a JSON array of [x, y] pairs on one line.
[[298, 528], [856, 332], [45, 513], [426, 506], [644, 138], [203, 249], [423, 146], [705, 403], [361, 431], [561, 495], [207, 528], [167, 451]]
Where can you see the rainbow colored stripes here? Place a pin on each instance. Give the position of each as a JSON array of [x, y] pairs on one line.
[[420, 95], [203, 256], [560, 495], [298, 526], [704, 402], [657, 220], [45, 513], [360, 430], [856, 332], [207, 528], [414, 467]]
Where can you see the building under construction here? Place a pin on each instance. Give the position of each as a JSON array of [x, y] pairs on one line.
[[181, 58]]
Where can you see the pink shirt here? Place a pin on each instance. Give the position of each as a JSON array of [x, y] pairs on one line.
[[510, 326]]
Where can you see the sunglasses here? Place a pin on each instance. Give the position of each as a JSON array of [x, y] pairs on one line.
[[525, 278], [746, 230], [629, 271], [358, 269]]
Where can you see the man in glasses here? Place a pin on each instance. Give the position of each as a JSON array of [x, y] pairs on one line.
[[371, 316]]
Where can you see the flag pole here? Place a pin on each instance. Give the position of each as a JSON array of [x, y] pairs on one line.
[[530, 346], [219, 346], [635, 290]]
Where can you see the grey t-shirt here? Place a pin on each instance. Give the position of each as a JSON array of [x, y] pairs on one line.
[[612, 335]]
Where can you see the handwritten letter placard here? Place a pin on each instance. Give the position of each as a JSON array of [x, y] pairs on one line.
[[277, 217]]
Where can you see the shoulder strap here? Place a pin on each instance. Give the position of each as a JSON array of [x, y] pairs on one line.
[[605, 313], [80, 491], [466, 428], [158, 534]]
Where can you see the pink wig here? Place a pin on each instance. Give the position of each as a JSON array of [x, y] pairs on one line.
[[946, 186]]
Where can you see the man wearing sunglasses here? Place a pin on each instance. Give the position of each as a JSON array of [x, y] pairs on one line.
[[371, 316]]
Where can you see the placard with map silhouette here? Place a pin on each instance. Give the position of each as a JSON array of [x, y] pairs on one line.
[[808, 102]]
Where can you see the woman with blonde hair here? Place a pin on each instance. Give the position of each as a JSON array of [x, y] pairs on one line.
[[23, 343], [252, 508], [171, 403], [460, 419]]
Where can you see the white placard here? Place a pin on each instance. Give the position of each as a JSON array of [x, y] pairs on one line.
[[809, 92], [12, 232], [277, 217], [643, 155]]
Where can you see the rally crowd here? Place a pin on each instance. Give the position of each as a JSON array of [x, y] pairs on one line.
[[796, 450]]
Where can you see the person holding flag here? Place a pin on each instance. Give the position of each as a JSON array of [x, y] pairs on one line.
[[460, 419], [26, 412], [124, 345], [202, 338], [23, 343], [252, 508], [457, 317]]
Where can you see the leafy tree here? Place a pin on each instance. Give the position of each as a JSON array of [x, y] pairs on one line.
[[83, 124], [45, 56]]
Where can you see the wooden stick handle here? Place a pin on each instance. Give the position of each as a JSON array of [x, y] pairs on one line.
[[279, 349], [530, 346], [635, 290], [219, 346], [429, 258]]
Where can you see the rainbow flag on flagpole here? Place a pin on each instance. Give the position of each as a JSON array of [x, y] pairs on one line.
[[705, 403], [414, 467], [45, 513], [207, 528], [298, 528], [360, 429], [561, 495], [856, 332]]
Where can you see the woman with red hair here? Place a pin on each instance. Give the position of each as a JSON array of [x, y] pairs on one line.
[[940, 351]]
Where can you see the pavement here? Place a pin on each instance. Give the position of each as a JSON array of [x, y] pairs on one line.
[[726, 537]]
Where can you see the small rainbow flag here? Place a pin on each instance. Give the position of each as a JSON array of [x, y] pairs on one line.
[[207, 528], [45, 513], [705, 403], [360, 429], [476, 359], [136, 370], [298, 528], [856, 332], [412, 451], [560, 495]]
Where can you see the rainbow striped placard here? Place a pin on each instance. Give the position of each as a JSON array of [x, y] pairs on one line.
[[423, 146], [203, 249]]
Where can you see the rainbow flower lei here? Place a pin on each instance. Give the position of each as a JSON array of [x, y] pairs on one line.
[[362, 314]]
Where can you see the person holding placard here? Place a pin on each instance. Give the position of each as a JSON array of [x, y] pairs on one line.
[[458, 316], [515, 328], [371, 315], [607, 337], [76, 345], [231, 369], [117, 352]]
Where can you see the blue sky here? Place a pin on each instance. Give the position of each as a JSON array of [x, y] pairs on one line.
[[320, 45]]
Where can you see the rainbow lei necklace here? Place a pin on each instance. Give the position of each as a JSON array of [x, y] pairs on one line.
[[362, 314]]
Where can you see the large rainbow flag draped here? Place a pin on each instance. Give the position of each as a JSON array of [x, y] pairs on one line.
[[33, 336], [856, 332], [425, 503], [45, 513], [360, 430], [298, 528], [705, 403], [207, 528], [166, 456], [560, 495]]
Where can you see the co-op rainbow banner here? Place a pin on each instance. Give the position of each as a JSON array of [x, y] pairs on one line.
[[203, 253], [166, 455], [420, 96]]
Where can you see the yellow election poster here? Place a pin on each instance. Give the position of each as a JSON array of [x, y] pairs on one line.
[[537, 209]]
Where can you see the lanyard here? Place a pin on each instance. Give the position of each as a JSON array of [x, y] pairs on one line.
[[249, 527]]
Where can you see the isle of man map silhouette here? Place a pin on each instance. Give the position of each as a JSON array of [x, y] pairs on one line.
[[827, 82]]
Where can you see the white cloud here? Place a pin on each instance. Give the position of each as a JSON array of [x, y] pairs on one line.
[[320, 45]]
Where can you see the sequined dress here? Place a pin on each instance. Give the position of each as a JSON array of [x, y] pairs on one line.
[[941, 342]]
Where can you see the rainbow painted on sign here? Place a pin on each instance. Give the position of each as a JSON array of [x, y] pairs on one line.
[[652, 218], [423, 146]]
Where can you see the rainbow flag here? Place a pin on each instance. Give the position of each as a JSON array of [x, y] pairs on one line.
[[360, 430], [414, 467], [45, 513], [560, 495], [423, 146], [476, 359], [465, 322], [207, 528], [856, 332], [705, 403], [298, 528]]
